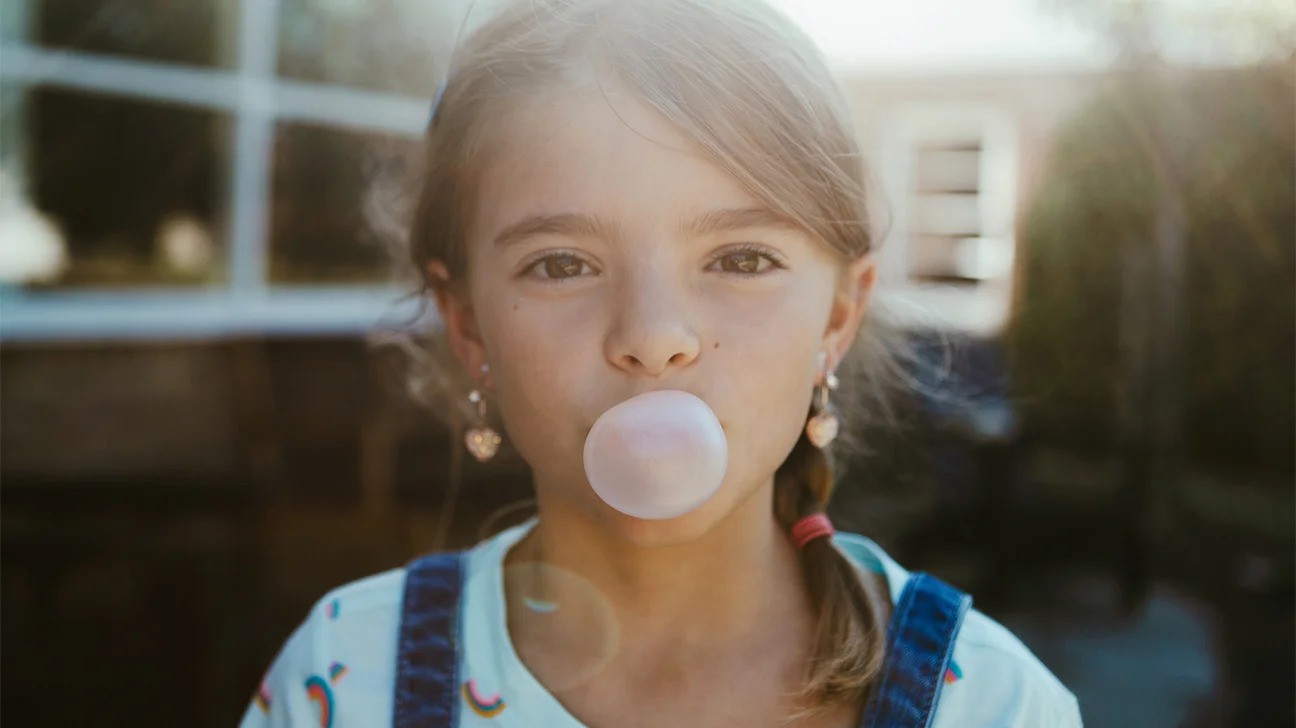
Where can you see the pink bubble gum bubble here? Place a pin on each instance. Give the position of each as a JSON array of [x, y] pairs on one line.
[[658, 455]]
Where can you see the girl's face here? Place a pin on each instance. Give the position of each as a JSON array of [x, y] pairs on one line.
[[608, 258]]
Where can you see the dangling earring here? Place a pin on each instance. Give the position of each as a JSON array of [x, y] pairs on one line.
[[481, 440], [822, 428]]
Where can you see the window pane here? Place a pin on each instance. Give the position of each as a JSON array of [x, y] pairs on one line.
[[952, 259], [389, 45], [934, 257], [945, 214], [13, 21], [948, 170], [194, 32], [324, 183], [11, 119], [135, 189]]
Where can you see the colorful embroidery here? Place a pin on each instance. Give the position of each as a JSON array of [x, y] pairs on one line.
[[953, 673], [262, 697], [333, 609], [485, 707], [336, 671], [318, 691]]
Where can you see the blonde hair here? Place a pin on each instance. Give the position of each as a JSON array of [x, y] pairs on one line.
[[751, 90]]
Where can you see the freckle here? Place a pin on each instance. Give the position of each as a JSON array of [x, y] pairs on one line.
[[717, 345], [515, 307]]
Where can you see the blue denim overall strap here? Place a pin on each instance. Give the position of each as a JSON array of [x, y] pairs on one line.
[[920, 641], [427, 660]]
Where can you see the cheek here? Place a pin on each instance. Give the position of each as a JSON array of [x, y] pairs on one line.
[[772, 338], [540, 355], [768, 352]]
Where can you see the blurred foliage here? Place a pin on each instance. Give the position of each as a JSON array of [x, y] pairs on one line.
[[1231, 33], [1236, 133]]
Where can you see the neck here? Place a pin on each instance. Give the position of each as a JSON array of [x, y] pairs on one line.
[[728, 585]]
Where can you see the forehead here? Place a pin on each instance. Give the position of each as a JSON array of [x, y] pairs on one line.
[[605, 153]]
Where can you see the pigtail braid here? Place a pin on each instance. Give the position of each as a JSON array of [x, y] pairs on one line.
[[849, 637]]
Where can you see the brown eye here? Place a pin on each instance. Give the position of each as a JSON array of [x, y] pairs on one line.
[[558, 267], [563, 266], [745, 262]]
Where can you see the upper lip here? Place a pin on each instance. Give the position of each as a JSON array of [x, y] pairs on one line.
[[646, 390], [649, 390]]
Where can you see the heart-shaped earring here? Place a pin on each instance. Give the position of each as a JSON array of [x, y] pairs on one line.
[[823, 426], [482, 441]]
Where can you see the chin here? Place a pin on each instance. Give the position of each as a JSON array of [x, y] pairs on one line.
[[677, 531]]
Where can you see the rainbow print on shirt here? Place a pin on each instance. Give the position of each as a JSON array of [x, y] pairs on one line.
[[262, 697], [485, 707], [953, 673], [318, 691], [336, 671]]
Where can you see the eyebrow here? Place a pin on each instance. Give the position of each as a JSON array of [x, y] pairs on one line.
[[737, 219], [569, 224], [590, 226]]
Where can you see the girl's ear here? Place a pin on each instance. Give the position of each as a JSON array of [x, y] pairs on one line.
[[848, 308], [459, 320]]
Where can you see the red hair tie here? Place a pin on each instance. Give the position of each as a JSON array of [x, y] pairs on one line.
[[811, 527]]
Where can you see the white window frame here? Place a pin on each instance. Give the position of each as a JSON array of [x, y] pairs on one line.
[[978, 308], [255, 98]]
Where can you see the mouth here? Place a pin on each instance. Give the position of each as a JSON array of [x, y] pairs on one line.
[[585, 430]]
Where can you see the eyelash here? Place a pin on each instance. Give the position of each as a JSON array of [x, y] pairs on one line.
[[776, 262], [559, 255]]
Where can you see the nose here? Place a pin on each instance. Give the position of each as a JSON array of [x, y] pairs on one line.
[[651, 333]]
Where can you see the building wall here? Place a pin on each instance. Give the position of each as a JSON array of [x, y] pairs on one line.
[[1019, 113]]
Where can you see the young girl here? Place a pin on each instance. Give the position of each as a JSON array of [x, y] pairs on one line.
[[625, 196]]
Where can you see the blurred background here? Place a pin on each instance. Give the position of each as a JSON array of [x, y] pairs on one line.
[[1091, 213]]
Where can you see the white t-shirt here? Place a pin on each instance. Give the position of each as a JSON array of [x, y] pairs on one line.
[[338, 669]]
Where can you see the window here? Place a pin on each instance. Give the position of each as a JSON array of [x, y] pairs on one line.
[[134, 186], [948, 238], [950, 172], [201, 167]]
